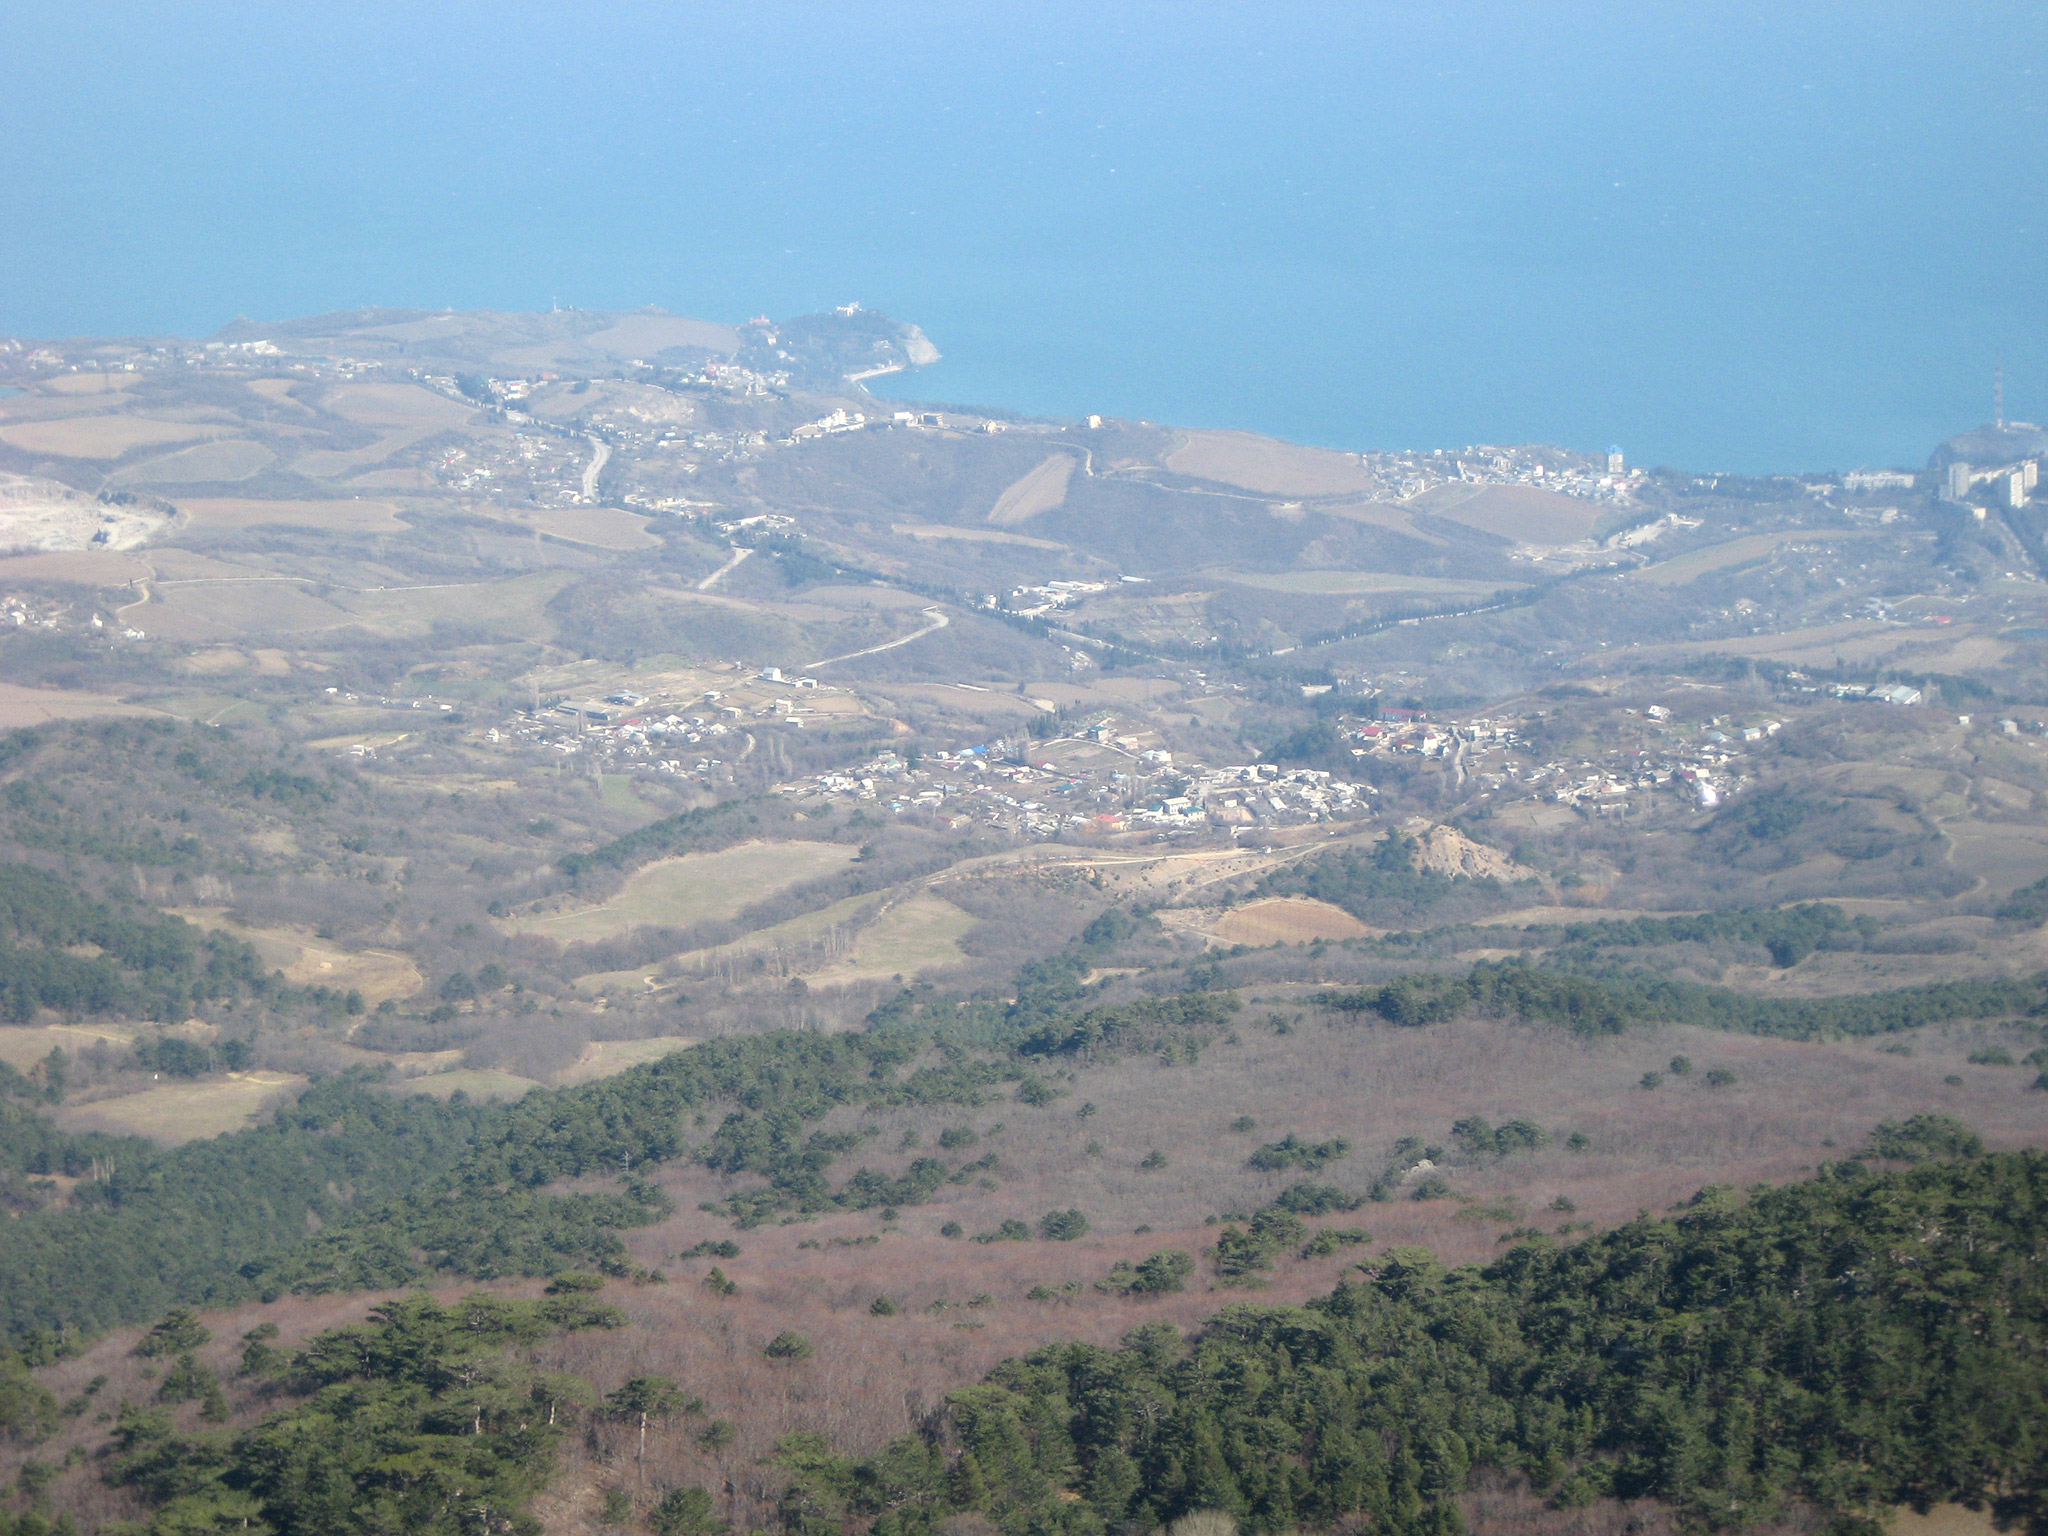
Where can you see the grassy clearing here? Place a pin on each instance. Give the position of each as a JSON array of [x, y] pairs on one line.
[[696, 888], [174, 1112], [608, 1058], [918, 934], [310, 961], [23, 1045]]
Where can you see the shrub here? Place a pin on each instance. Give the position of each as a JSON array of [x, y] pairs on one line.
[[952, 1229], [1315, 1199], [178, 1333], [788, 1345], [1720, 1077], [684, 1512], [1293, 1152], [1062, 1226], [1011, 1231], [955, 1136], [1652, 1080], [1991, 1056], [881, 1306], [1924, 1137]]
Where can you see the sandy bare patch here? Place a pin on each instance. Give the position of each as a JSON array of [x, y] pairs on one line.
[[1268, 465], [976, 535], [1287, 920], [1038, 491], [49, 516]]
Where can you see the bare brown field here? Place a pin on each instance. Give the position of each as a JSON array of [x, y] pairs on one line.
[[1038, 490], [1756, 546], [1267, 465], [1363, 583], [1519, 512], [641, 335], [337, 516], [603, 527], [21, 705], [222, 609], [974, 535], [343, 463], [1857, 642], [869, 596], [1391, 515], [90, 383], [92, 567], [1287, 920], [100, 437], [170, 1113], [397, 405], [516, 607], [227, 459]]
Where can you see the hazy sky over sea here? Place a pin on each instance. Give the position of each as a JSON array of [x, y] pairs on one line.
[[1756, 236]]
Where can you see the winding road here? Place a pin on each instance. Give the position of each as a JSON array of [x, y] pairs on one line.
[[712, 580], [600, 456], [938, 621]]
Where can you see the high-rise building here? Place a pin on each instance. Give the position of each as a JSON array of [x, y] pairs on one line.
[[1616, 463], [1958, 483]]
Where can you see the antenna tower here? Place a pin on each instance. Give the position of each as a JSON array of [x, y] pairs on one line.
[[1998, 394]]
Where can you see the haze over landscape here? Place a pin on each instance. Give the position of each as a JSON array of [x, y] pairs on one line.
[[886, 773]]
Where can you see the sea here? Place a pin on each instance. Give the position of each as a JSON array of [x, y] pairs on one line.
[[1727, 237]]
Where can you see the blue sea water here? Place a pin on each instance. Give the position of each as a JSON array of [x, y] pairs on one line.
[[1725, 236]]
